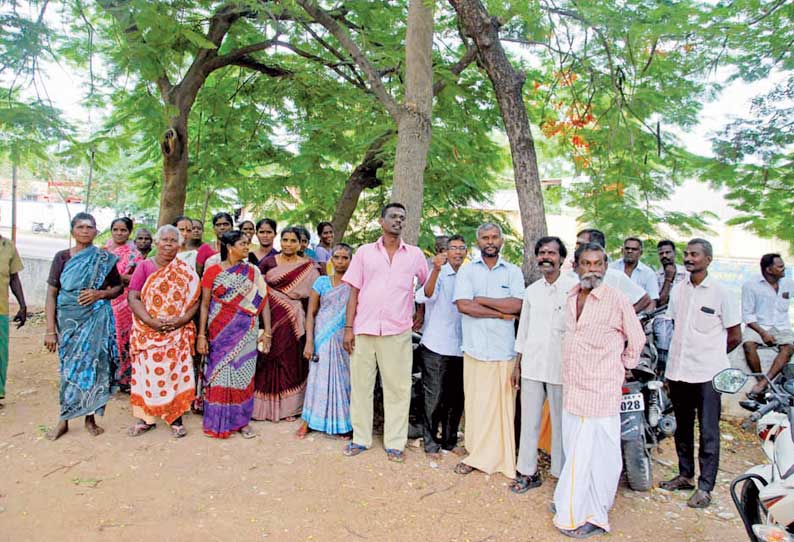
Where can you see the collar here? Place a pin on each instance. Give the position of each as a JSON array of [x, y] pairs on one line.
[[402, 246], [596, 292], [499, 261], [447, 270], [705, 284]]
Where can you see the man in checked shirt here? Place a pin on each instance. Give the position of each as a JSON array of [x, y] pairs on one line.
[[603, 338]]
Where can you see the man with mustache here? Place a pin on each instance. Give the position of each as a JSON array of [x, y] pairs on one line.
[[614, 278], [668, 275], [442, 357], [706, 327], [603, 338], [642, 275], [488, 294], [765, 304], [378, 332], [538, 372]]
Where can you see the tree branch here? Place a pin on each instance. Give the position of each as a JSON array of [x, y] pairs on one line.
[[232, 57], [336, 30], [457, 68], [251, 64]]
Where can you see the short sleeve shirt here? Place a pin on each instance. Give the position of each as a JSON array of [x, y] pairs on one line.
[[141, 273], [10, 263]]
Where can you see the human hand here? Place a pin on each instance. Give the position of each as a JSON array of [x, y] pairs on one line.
[[669, 271], [768, 339], [349, 341], [515, 378], [308, 351], [88, 296], [264, 342], [202, 345], [439, 260], [21, 317], [51, 341]]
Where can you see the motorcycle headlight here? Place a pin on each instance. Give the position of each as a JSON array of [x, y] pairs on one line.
[[654, 385], [771, 533]]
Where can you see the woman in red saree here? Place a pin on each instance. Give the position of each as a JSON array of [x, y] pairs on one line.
[[128, 258], [280, 380]]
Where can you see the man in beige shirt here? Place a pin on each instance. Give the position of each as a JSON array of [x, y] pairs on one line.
[[10, 266]]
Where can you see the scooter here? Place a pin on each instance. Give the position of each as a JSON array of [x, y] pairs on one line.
[[646, 414], [39, 227], [764, 495]]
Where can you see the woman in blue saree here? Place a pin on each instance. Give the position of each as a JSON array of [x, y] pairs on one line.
[[82, 281]]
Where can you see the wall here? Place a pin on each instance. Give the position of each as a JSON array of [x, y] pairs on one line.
[[34, 281]]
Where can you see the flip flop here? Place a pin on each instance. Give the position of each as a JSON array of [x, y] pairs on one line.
[[139, 429], [246, 432], [398, 456], [353, 449], [178, 431], [463, 469]]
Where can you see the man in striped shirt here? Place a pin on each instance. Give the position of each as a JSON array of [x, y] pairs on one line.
[[603, 338]]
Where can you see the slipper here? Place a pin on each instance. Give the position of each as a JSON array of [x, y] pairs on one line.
[[398, 456], [699, 499], [178, 431], [463, 469], [524, 483], [139, 429], [677, 483], [246, 432], [353, 449]]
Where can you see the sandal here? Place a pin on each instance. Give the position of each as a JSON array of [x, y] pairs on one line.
[[677, 483], [699, 499], [463, 469], [398, 456], [140, 428], [353, 449], [524, 483], [246, 432], [178, 431]]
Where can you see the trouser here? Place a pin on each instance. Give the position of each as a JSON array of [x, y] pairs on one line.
[[661, 361], [533, 395], [590, 476], [701, 400], [392, 356], [442, 388]]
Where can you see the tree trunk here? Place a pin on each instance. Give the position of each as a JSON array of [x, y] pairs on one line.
[[174, 148], [364, 176], [507, 84], [415, 118]]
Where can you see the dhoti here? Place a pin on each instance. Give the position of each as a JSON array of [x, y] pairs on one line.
[[490, 404], [590, 475]]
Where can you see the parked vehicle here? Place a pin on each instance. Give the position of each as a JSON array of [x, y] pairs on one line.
[[764, 495], [41, 227], [646, 414]]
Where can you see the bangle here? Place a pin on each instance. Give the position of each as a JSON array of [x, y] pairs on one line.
[[51, 333], [267, 336], [348, 327], [202, 337]]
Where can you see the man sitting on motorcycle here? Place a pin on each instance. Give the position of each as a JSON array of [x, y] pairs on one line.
[[765, 304], [706, 321]]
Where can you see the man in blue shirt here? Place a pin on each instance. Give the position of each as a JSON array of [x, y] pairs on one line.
[[489, 293], [442, 357]]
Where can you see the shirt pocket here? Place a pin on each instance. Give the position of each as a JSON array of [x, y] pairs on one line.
[[705, 322]]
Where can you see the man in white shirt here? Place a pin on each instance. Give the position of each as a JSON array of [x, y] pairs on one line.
[[613, 278], [642, 275], [669, 274], [707, 326], [538, 371], [765, 305], [442, 357]]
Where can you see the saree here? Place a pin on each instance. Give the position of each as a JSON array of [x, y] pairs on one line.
[[128, 257], [163, 384], [280, 380], [86, 347], [239, 294], [326, 406]]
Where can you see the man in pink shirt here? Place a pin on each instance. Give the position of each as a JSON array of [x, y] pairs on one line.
[[603, 338], [378, 332]]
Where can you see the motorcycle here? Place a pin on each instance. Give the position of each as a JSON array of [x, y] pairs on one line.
[[764, 495], [39, 227], [646, 413]]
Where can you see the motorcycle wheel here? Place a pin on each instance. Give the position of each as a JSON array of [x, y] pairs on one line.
[[637, 464], [751, 504]]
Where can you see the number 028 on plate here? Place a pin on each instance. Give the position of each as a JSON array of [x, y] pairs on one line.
[[632, 403]]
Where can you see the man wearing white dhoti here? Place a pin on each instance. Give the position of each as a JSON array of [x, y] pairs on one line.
[[603, 337]]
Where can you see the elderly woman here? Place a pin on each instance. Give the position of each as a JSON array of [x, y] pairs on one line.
[[128, 258], [234, 297], [82, 282], [164, 294]]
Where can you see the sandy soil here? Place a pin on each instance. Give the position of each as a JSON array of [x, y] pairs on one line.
[[278, 488]]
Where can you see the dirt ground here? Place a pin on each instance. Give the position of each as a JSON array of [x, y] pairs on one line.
[[275, 487]]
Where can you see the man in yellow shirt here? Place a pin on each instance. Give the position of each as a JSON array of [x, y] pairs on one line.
[[10, 266]]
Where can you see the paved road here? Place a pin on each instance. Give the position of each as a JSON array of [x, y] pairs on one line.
[[32, 245]]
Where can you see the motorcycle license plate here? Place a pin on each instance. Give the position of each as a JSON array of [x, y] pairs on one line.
[[633, 402]]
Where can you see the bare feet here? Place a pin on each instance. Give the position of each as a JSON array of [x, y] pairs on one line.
[[435, 456], [459, 450], [290, 418], [92, 427], [302, 431], [58, 431]]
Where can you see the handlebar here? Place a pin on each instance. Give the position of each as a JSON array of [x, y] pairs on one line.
[[761, 412]]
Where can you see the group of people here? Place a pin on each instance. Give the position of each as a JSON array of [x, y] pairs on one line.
[[240, 332]]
